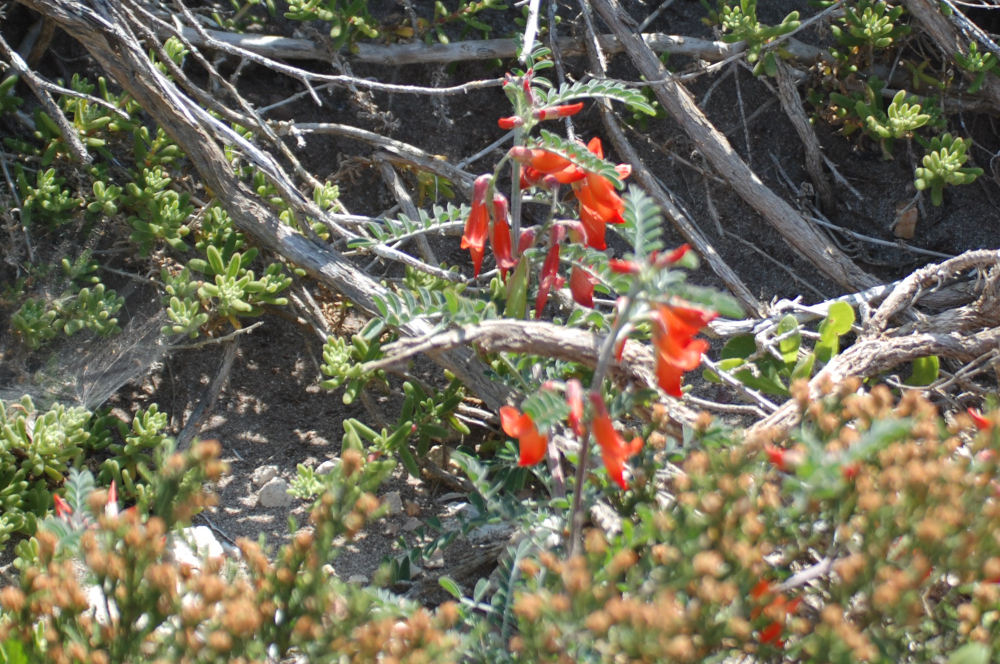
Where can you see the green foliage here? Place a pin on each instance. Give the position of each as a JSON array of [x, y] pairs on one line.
[[401, 228], [348, 19], [184, 308], [156, 211], [979, 64], [46, 201], [595, 89], [8, 101], [36, 448], [442, 306], [135, 452], [40, 320], [466, 14], [234, 290], [738, 20], [942, 166], [35, 323], [900, 120], [868, 24], [771, 362], [342, 361]]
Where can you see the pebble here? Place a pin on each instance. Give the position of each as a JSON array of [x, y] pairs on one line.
[[360, 579], [436, 561], [263, 474], [192, 545], [326, 467], [274, 494], [393, 502], [412, 524]]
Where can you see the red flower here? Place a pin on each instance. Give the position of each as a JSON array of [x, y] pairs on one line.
[[63, 510], [574, 397], [614, 451], [563, 111], [581, 286], [778, 609], [656, 258], [478, 223], [777, 456], [598, 193], [550, 270], [677, 350], [982, 423], [593, 228], [520, 425], [623, 267], [501, 235], [510, 122], [538, 163]]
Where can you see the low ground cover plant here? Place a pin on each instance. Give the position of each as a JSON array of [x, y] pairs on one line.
[[857, 521]]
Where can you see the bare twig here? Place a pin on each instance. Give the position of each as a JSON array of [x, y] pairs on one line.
[[208, 398], [41, 89], [660, 195], [536, 338], [788, 94], [102, 30], [908, 291], [818, 249]]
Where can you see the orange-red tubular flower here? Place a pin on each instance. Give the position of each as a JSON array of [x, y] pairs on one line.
[[550, 269], [614, 451], [656, 258], [63, 510], [510, 122], [593, 228], [501, 235], [538, 162], [581, 286], [982, 423], [574, 398], [478, 223], [563, 111], [677, 350], [519, 425]]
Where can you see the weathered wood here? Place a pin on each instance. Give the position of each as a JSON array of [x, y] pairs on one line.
[[713, 145], [950, 42], [289, 48], [107, 38]]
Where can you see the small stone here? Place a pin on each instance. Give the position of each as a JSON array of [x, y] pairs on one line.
[[193, 545], [359, 579], [263, 475], [274, 494], [412, 524], [326, 467], [412, 508], [393, 503], [436, 561]]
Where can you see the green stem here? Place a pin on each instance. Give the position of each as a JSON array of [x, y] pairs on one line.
[[603, 362], [515, 198]]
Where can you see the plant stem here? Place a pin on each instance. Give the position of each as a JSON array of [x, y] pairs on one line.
[[603, 362], [515, 198]]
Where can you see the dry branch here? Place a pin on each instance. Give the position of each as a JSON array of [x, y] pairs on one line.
[[288, 48], [949, 41], [107, 37], [813, 245], [963, 334], [537, 338]]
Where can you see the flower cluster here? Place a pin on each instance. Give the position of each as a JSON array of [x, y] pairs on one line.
[[599, 205], [615, 452]]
